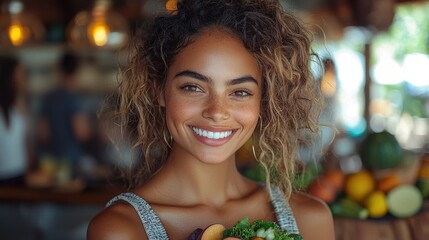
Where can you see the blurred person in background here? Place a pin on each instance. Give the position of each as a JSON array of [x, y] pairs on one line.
[[15, 149], [63, 125]]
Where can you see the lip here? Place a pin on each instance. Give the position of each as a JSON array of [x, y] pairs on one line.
[[216, 136]]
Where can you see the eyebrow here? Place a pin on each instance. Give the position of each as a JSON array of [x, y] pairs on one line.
[[201, 77]]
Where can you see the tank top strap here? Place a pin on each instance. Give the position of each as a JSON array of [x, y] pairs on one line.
[[283, 211], [151, 222]]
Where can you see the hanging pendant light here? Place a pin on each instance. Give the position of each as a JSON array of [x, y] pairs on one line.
[[18, 28], [101, 27], [171, 5]]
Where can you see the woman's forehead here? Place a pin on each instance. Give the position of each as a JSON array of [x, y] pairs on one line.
[[213, 52]]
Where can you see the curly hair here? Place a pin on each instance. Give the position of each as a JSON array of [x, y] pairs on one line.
[[282, 46]]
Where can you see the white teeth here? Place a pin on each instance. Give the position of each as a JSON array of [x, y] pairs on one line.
[[211, 135]]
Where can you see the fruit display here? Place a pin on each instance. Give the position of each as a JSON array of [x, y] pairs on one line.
[[244, 230], [376, 204], [345, 207], [387, 183], [323, 188], [359, 185], [422, 181], [360, 195], [381, 150], [404, 201]]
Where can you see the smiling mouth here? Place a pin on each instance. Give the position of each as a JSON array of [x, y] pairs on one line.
[[210, 134]]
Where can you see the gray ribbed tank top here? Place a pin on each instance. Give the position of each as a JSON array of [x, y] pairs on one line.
[[156, 231]]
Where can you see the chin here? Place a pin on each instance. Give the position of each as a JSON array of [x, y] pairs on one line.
[[214, 158]]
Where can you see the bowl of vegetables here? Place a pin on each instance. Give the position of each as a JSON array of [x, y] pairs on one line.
[[244, 230]]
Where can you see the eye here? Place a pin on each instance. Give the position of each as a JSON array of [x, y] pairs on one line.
[[191, 88], [242, 93]]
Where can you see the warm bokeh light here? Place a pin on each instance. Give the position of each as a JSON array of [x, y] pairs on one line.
[[98, 33], [17, 33], [18, 27], [99, 27], [171, 5]]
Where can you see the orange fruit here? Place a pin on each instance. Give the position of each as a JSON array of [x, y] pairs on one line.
[[423, 171], [322, 188], [336, 177], [387, 183], [359, 185]]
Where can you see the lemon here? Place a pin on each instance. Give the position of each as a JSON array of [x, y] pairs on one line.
[[359, 185], [376, 204]]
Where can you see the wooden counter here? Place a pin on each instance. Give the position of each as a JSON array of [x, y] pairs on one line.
[[411, 228]]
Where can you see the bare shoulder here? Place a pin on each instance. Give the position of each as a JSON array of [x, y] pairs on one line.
[[119, 221], [313, 217]]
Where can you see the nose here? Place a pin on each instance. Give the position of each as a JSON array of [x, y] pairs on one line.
[[216, 109]]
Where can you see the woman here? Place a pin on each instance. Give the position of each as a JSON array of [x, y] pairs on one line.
[[14, 157], [201, 82]]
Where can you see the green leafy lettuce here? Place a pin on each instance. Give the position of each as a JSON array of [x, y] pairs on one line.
[[267, 230]]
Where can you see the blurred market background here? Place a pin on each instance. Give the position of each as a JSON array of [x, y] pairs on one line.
[[371, 164]]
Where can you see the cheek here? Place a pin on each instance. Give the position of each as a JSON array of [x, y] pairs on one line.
[[248, 115], [180, 110]]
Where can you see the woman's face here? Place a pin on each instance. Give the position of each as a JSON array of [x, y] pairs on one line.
[[212, 97]]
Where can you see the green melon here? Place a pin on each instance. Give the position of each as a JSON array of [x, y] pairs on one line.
[[380, 151], [404, 201]]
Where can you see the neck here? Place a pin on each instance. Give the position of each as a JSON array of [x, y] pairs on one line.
[[191, 181]]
